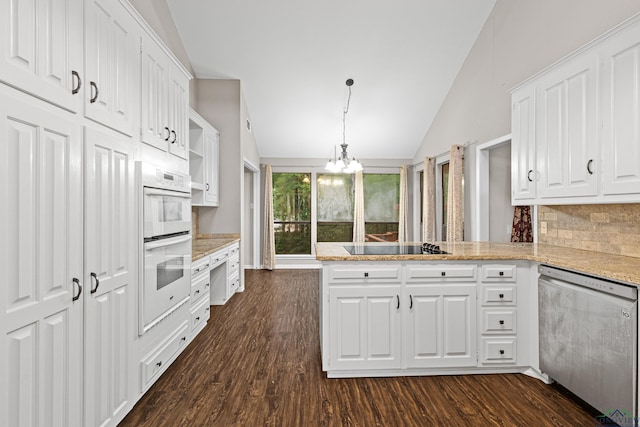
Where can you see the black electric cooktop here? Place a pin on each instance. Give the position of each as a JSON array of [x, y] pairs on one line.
[[399, 249]]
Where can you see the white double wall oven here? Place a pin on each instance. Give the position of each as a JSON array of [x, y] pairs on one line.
[[166, 245]]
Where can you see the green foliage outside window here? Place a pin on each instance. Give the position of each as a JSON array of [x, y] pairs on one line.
[[292, 212]]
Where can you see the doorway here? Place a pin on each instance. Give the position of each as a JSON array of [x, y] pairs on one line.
[[250, 220], [494, 214]]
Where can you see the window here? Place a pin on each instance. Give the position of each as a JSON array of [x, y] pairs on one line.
[[292, 212], [335, 207], [381, 207]]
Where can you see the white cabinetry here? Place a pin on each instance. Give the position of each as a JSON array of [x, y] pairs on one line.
[[567, 131], [112, 65], [440, 317], [225, 279], [621, 113], [200, 287], [523, 147], [41, 259], [440, 325], [498, 319], [580, 120], [42, 49], [422, 318], [204, 149], [165, 101], [365, 327], [110, 274]]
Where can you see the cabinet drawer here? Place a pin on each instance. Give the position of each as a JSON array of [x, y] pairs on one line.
[[158, 360], [234, 249], [200, 313], [218, 257], [499, 295], [200, 266], [499, 350], [501, 273], [365, 273], [442, 272], [199, 287], [498, 321], [234, 265], [234, 285]]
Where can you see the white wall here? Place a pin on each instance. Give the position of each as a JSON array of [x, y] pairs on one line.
[[500, 209], [520, 38], [219, 104]]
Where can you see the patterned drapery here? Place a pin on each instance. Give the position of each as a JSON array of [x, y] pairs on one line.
[[269, 240], [454, 201], [522, 230]]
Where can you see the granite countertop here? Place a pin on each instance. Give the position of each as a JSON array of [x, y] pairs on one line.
[[203, 245], [617, 267]]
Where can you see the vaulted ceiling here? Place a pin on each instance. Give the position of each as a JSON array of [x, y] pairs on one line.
[[294, 56]]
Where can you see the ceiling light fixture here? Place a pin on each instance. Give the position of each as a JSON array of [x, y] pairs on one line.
[[342, 163]]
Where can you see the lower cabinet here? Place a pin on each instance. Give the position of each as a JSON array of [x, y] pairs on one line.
[[365, 327], [157, 361], [440, 325], [417, 318]]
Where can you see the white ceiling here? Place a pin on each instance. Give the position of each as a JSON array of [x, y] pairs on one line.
[[294, 56]]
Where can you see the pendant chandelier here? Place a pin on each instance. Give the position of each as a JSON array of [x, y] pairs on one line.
[[342, 163]]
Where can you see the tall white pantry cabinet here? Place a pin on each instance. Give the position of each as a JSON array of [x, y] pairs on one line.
[[70, 133]]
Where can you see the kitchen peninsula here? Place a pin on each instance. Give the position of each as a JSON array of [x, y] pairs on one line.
[[472, 310]]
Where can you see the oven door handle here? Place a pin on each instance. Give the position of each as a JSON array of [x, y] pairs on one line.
[[166, 242], [156, 192]]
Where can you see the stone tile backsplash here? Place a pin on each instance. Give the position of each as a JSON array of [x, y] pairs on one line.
[[612, 229]]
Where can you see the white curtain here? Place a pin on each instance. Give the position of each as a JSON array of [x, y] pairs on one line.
[[269, 241], [358, 210], [428, 200], [454, 202], [402, 221]]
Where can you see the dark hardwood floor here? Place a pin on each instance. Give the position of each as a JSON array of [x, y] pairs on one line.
[[258, 363]]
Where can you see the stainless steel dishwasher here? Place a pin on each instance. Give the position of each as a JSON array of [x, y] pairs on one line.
[[588, 337]]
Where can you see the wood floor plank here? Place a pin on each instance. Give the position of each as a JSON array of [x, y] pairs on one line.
[[257, 362]]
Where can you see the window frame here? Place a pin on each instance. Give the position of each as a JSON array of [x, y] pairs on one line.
[[314, 171]]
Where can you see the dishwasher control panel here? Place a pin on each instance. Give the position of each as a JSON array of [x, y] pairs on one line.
[[592, 282]]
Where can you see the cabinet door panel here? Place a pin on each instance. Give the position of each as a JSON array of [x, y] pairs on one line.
[[566, 135], [111, 56], [440, 326], [43, 48], [109, 272], [155, 114], [621, 114], [41, 255], [179, 113], [365, 328], [523, 169]]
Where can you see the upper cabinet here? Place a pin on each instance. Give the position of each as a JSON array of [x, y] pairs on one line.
[[621, 114], [204, 155], [523, 153], [576, 126], [112, 65], [566, 130], [41, 49], [165, 101]]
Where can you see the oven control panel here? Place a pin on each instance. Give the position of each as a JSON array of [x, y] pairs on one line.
[[156, 177]]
